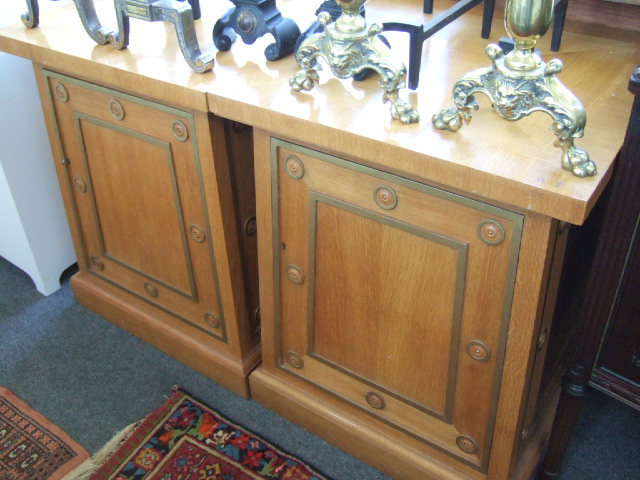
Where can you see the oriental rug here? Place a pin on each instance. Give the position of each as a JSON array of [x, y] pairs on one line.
[[32, 447], [186, 439]]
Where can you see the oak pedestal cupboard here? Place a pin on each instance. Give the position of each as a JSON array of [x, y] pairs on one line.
[[148, 194], [407, 277], [389, 312]]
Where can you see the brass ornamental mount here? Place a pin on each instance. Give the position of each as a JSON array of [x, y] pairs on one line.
[[520, 83], [349, 47]]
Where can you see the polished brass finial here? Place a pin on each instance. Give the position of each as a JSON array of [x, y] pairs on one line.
[[520, 83], [349, 47]]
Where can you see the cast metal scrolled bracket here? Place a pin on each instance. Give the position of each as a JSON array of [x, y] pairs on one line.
[[252, 19], [102, 35], [31, 19], [179, 12], [520, 83], [349, 46]]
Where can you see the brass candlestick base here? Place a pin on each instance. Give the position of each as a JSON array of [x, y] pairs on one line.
[[349, 47], [520, 83]]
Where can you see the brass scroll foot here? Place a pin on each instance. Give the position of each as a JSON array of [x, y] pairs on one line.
[[520, 83], [349, 47], [515, 96]]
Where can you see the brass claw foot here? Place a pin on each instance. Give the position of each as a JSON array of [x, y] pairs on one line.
[[348, 47], [520, 83]]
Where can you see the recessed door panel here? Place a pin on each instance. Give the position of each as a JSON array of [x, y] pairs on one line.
[[370, 316], [393, 296], [119, 163]]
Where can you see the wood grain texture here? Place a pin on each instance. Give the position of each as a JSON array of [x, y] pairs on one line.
[[148, 196], [511, 165], [390, 289], [526, 317], [383, 447], [165, 333], [342, 320], [511, 162]]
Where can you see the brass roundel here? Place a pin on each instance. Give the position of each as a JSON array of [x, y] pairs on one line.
[[212, 320], [294, 167], [250, 226], [491, 232], [180, 130], [247, 21], [96, 262], [151, 289], [375, 400], [478, 351], [80, 184], [197, 233], [61, 92], [467, 444], [295, 360], [295, 274], [116, 109], [385, 197]]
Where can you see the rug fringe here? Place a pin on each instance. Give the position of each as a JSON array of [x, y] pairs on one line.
[[86, 469]]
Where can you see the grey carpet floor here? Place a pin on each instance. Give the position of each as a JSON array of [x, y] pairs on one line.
[[92, 379]]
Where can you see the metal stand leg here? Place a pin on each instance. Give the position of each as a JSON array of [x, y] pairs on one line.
[[251, 19], [32, 17]]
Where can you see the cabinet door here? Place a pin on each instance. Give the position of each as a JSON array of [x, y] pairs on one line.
[[133, 170], [393, 296]]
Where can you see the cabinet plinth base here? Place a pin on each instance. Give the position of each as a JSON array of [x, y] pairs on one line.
[[158, 329], [381, 447]]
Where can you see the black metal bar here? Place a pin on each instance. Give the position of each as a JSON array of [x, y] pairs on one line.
[[559, 15], [419, 33]]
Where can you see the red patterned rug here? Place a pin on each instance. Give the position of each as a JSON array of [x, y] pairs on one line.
[[187, 440], [32, 447]]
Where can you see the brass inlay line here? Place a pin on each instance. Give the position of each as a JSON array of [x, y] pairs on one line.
[[515, 240], [189, 120], [461, 265], [80, 118]]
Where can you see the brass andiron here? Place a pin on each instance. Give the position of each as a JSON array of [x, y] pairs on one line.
[[520, 83], [32, 17], [349, 47]]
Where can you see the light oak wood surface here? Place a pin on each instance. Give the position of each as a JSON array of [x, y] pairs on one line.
[[151, 206], [511, 162], [371, 351], [513, 167]]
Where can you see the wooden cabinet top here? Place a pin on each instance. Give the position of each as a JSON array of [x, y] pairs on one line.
[[511, 163]]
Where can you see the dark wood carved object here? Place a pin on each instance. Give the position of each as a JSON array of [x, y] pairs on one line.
[[610, 236]]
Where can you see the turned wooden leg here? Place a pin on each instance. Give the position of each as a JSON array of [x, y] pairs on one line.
[[574, 389]]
